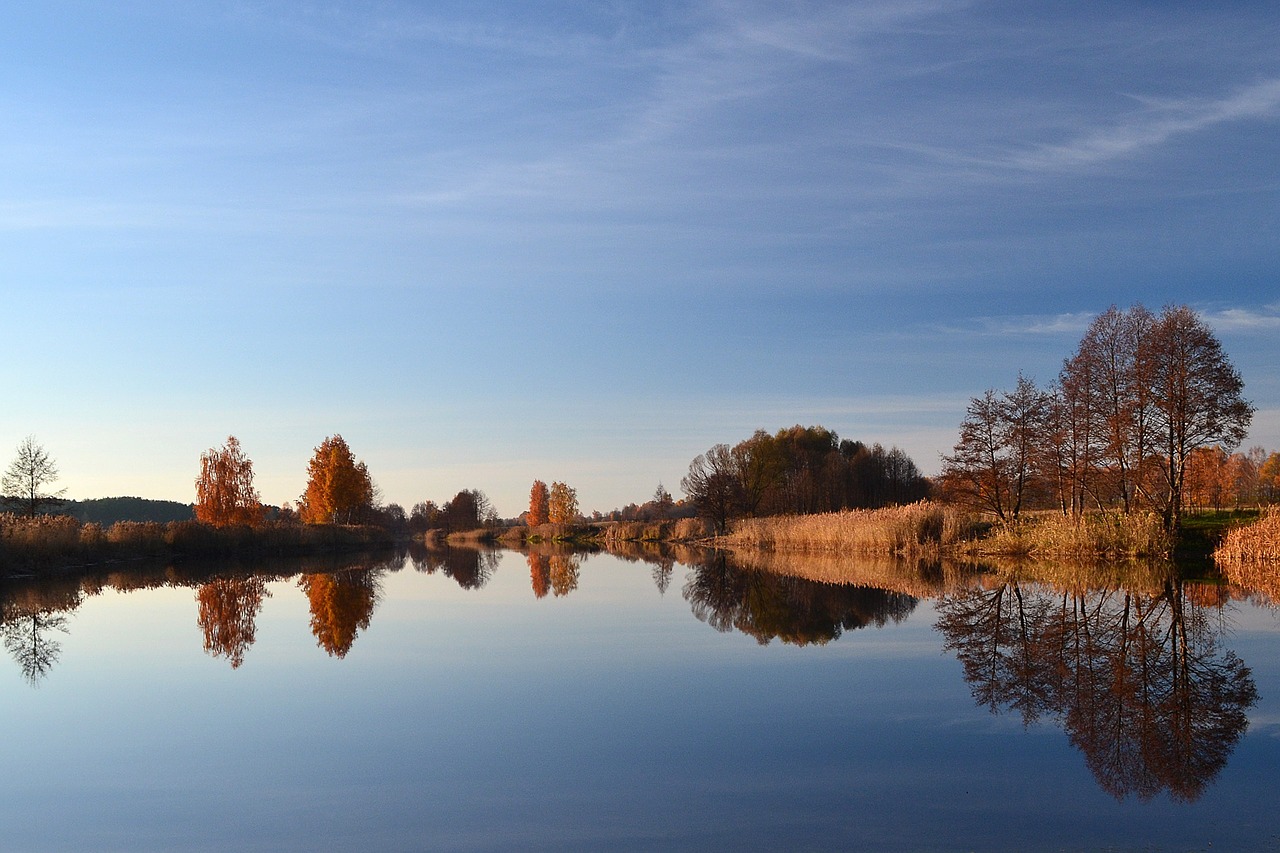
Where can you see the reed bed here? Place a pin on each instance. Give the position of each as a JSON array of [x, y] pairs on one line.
[[915, 529], [1089, 536], [671, 530], [54, 541], [1256, 544]]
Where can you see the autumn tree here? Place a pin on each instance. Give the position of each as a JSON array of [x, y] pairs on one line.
[[1196, 398], [225, 494], [339, 488], [1269, 479], [562, 504], [30, 473], [539, 504]]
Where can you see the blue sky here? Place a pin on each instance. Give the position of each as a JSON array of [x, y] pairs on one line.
[[494, 242]]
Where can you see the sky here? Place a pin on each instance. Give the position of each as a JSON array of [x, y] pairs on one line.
[[489, 243]]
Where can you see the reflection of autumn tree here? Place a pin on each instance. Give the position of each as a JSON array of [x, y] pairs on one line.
[[341, 606], [228, 608], [540, 574], [792, 609], [1138, 681], [564, 570]]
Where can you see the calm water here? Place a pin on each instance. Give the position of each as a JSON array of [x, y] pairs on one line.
[[503, 701]]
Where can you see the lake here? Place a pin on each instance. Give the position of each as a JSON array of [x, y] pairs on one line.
[[469, 700]]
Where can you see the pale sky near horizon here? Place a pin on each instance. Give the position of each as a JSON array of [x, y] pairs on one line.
[[494, 242]]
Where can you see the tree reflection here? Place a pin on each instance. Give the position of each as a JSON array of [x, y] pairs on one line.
[[1138, 681], [540, 574], [794, 610], [30, 618], [342, 605], [227, 614], [470, 568], [565, 570]]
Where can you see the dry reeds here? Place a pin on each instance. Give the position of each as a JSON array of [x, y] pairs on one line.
[[919, 528], [1257, 543], [1079, 537], [1249, 556]]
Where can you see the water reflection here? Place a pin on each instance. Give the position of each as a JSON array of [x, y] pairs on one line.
[[1138, 681], [342, 605], [31, 617], [228, 610], [470, 568], [1129, 660], [766, 605]]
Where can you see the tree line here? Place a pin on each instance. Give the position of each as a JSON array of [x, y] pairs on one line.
[[799, 470], [1118, 430]]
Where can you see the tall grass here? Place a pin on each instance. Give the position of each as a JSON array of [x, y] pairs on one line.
[[919, 528], [1252, 544], [1087, 536]]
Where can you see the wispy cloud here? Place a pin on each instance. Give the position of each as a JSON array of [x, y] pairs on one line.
[[1264, 319], [1160, 122]]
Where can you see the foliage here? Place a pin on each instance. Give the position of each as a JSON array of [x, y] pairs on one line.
[[225, 494], [798, 470], [339, 488], [23, 484], [107, 511], [562, 504], [539, 499]]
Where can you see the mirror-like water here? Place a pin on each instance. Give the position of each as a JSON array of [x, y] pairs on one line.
[[499, 700]]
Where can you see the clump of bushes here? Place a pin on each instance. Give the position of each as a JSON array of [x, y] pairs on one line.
[[1252, 544]]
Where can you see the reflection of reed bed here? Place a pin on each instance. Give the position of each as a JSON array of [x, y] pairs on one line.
[[919, 528], [915, 577], [1260, 581], [1256, 545], [1080, 576], [1092, 535]]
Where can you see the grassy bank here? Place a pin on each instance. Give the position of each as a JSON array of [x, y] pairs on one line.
[[46, 543], [922, 528], [931, 529]]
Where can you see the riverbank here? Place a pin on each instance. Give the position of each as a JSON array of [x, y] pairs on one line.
[[49, 543]]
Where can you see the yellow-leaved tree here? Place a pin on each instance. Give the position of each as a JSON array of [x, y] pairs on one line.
[[225, 494], [562, 504], [339, 489]]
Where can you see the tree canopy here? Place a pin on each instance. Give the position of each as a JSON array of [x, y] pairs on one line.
[[225, 494], [339, 488]]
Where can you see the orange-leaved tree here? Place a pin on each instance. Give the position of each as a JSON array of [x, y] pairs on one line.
[[562, 504], [339, 489], [224, 490], [538, 504]]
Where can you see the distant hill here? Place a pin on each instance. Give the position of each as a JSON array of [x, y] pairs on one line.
[[107, 511]]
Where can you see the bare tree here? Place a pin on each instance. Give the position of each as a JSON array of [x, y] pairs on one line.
[[1196, 398], [24, 484]]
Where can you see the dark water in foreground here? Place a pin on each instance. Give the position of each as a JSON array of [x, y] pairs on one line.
[[502, 701]]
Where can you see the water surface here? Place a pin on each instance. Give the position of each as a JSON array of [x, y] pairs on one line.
[[476, 701]]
